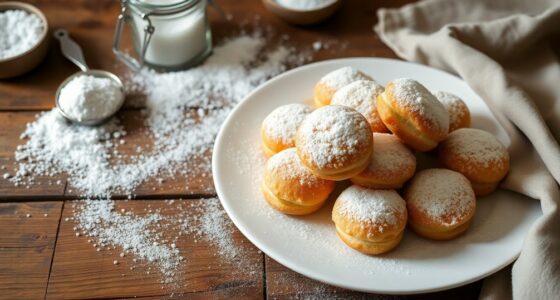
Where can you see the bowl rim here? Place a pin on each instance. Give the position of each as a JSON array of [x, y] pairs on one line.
[[300, 11], [30, 9]]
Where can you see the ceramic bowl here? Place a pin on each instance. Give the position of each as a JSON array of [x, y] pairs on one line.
[[302, 17], [24, 62]]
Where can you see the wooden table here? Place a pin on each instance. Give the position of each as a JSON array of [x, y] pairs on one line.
[[40, 256]]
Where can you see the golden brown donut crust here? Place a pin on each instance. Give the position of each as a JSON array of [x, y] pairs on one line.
[[373, 235], [334, 80], [391, 164], [289, 187], [422, 125], [441, 204], [478, 155], [278, 129], [335, 142], [459, 114]]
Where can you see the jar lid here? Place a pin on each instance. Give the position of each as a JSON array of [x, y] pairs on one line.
[[162, 7]]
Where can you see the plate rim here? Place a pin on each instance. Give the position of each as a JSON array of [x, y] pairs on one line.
[[295, 267]]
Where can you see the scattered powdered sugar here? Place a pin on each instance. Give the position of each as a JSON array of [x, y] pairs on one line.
[[184, 113], [415, 97], [19, 32], [478, 147], [445, 195], [89, 97], [360, 95], [455, 106], [371, 206], [332, 135], [130, 232], [341, 77], [305, 4], [390, 156], [282, 123]]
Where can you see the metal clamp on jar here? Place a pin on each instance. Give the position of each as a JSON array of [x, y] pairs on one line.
[[167, 35]]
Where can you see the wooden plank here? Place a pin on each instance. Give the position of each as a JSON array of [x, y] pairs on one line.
[[80, 272], [283, 283], [44, 186], [27, 238]]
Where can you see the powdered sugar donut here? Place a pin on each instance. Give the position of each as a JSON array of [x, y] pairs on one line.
[[459, 114], [330, 83], [413, 114], [478, 155], [360, 95], [391, 164], [370, 221], [290, 187], [278, 130], [334, 142], [441, 204]]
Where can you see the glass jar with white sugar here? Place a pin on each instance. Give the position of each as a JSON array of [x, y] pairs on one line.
[[167, 34]]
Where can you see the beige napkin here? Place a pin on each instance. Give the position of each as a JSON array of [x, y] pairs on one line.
[[504, 49]]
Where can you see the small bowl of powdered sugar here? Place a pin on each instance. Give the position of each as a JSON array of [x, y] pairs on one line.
[[23, 38], [303, 12]]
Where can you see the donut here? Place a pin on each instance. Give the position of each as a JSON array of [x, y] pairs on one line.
[[330, 83], [459, 114], [441, 204], [391, 164], [370, 221], [290, 187], [478, 155], [279, 128], [413, 114], [360, 95], [334, 142]]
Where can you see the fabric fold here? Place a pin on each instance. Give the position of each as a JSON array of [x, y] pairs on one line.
[[503, 50]]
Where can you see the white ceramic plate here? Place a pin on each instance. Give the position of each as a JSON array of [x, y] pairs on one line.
[[309, 245]]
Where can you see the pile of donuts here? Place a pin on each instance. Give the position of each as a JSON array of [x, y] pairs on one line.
[[368, 134]]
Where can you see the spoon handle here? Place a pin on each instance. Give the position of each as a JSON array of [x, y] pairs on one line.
[[71, 49]]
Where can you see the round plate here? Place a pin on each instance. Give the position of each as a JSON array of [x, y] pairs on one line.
[[309, 245]]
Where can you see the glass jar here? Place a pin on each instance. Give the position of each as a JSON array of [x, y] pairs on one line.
[[166, 34]]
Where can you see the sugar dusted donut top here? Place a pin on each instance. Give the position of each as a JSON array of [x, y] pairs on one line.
[[390, 156], [379, 207], [341, 77], [445, 196], [477, 148], [414, 97], [456, 107], [282, 123], [288, 167], [360, 95], [332, 136]]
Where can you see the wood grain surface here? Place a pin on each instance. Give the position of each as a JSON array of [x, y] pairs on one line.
[[41, 256]]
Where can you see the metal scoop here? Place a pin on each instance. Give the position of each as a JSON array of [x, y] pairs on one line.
[[72, 51]]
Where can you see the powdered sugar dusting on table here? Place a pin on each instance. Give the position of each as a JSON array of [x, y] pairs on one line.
[[331, 135], [371, 206], [445, 195], [282, 123], [341, 77], [184, 111], [360, 95], [414, 96]]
